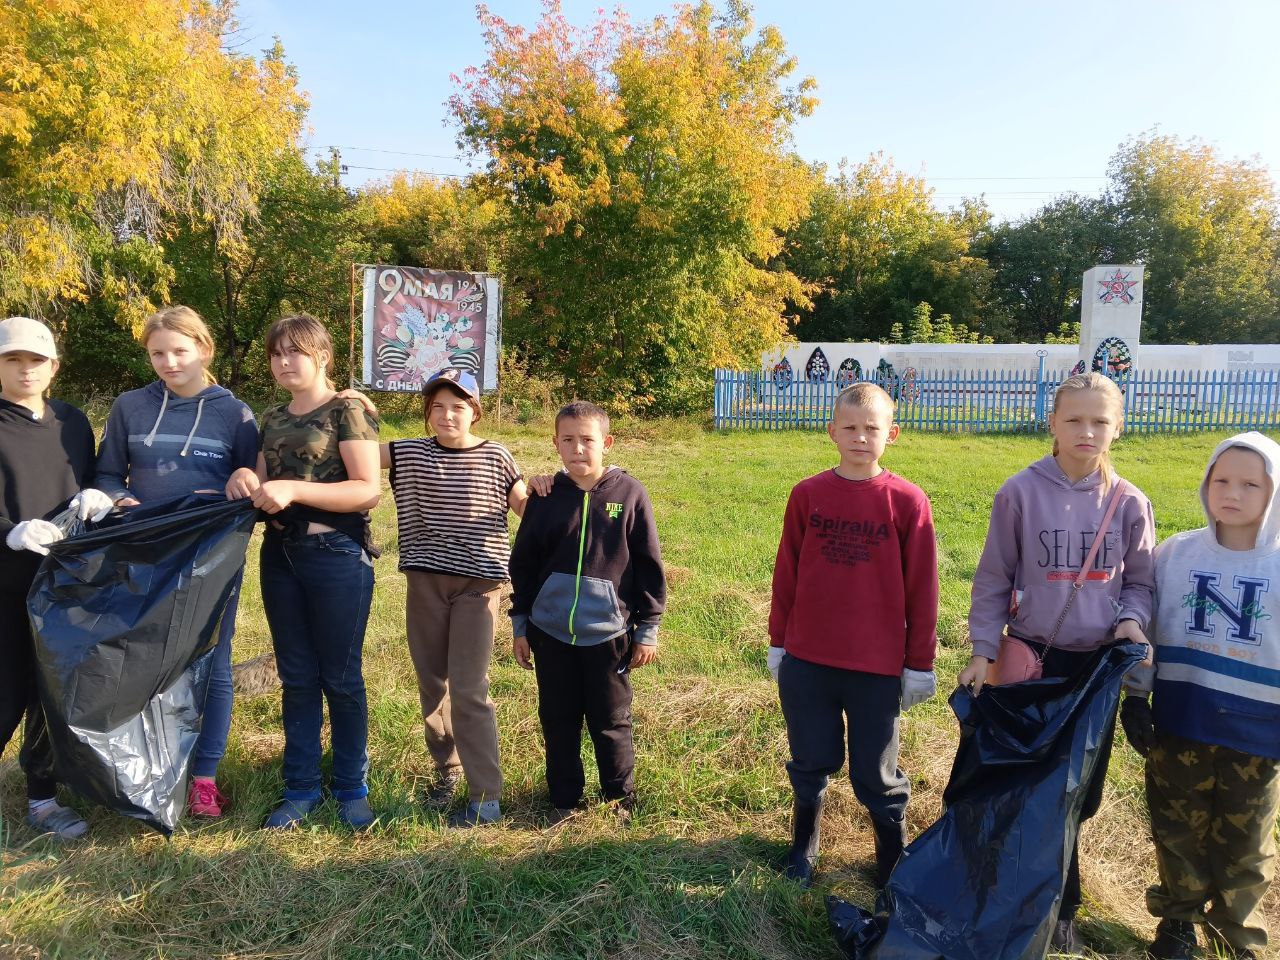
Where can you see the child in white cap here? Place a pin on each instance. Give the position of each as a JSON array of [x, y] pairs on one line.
[[46, 463]]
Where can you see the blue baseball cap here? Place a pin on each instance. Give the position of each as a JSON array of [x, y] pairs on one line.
[[456, 378]]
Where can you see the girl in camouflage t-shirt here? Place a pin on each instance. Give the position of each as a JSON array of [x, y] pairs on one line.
[[316, 478]]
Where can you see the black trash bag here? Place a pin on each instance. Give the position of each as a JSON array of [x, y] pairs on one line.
[[125, 618], [856, 930], [985, 881]]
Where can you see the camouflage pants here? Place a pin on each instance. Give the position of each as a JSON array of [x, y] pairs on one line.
[[1213, 817]]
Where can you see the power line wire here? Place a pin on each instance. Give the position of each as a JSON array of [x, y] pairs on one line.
[[1094, 177], [403, 153], [431, 173]]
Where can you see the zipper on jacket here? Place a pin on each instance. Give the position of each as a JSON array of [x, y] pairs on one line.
[[577, 579]]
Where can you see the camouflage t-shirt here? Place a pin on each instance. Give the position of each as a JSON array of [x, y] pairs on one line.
[[306, 447]]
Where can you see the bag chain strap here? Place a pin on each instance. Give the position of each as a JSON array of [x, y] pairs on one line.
[[1083, 575]]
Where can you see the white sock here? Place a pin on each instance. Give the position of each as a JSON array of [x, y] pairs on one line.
[[38, 808]]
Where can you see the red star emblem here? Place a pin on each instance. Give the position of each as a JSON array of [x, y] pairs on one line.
[[1116, 287]]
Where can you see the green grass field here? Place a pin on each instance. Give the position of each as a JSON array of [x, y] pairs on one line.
[[693, 876]]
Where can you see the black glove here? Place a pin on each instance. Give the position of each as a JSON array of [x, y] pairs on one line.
[[1135, 717]]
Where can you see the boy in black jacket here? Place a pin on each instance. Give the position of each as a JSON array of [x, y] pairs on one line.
[[46, 460], [587, 594]]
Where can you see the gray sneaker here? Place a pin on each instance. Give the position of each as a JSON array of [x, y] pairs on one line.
[[61, 822], [476, 815]]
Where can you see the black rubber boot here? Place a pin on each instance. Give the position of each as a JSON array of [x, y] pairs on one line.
[[1175, 940], [806, 831], [891, 837]]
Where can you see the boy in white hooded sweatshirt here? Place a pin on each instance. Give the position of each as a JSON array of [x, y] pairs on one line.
[[1212, 737]]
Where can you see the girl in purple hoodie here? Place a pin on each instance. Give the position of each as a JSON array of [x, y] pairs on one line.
[[1043, 524]]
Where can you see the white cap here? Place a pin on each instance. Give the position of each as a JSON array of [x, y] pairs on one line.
[[23, 333]]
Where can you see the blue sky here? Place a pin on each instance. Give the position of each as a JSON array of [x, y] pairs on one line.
[[1019, 101]]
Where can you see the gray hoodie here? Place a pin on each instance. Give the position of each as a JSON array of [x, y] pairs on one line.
[[158, 445], [1042, 527]]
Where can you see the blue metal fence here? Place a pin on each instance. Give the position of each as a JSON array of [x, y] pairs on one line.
[[981, 401]]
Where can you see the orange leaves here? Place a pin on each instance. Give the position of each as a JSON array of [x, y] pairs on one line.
[[649, 176]]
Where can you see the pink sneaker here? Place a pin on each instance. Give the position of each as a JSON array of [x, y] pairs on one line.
[[204, 799]]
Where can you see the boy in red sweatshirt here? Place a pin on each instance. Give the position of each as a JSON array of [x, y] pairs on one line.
[[853, 627]]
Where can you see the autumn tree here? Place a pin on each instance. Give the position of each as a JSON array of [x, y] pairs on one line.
[[875, 246], [1207, 229], [293, 253], [649, 178], [119, 121], [424, 221]]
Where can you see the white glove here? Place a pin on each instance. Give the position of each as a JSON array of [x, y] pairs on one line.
[[917, 686], [91, 504], [775, 660], [33, 535]]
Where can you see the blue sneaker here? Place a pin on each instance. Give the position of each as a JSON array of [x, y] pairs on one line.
[[356, 814], [290, 814]]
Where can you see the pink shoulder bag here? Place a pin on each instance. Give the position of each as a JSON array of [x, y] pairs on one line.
[[1018, 660]]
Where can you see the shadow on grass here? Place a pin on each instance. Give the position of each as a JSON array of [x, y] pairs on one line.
[[588, 888], [318, 894]]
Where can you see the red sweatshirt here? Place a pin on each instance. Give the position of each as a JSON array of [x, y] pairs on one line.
[[855, 584]]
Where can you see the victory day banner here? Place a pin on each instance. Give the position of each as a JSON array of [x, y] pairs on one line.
[[418, 321]]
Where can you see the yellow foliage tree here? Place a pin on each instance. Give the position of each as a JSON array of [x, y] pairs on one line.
[[650, 178], [118, 120]]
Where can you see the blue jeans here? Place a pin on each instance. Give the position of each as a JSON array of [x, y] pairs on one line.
[[216, 723], [316, 591]]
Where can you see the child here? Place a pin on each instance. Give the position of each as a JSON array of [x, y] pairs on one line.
[[452, 494], [46, 447], [179, 435], [588, 592], [1043, 525], [853, 627], [317, 476], [1213, 756]]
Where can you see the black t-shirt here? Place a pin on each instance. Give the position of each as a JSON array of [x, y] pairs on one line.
[[43, 463]]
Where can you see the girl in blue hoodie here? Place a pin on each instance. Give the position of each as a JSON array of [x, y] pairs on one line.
[[183, 434]]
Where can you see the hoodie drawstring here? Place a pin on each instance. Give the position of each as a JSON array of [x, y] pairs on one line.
[[150, 438], [187, 446]]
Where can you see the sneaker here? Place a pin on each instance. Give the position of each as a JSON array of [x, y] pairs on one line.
[[559, 815], [61, 822], [204, 799], [1175, 940], [1065, 939], [440, 793], [290, 814], [476, 815], [621, 810], [356, 814]]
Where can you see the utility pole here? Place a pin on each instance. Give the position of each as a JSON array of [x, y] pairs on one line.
[[339, 168]]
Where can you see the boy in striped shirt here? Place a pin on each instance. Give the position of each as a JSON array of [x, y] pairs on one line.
[[452, 494]]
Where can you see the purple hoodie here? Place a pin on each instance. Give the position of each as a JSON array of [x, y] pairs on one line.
[[1042, 527]]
